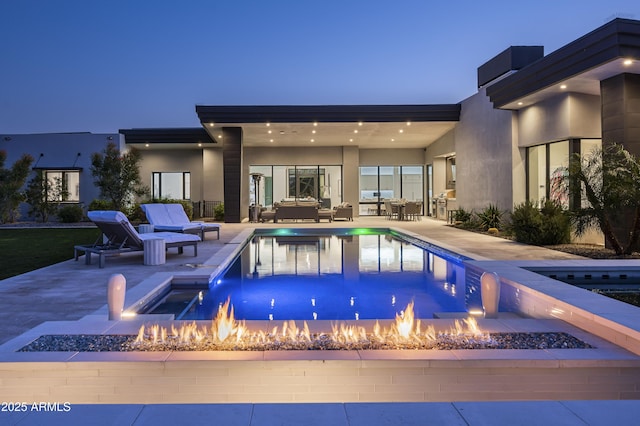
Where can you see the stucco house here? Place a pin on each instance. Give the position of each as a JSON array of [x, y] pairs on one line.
[[502, 145]]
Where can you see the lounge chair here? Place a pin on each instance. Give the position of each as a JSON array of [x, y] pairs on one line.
[[172, 218], [119, 236]]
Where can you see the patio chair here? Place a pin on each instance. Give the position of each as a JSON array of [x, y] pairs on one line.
[[119, 236], [412, 210], [343, 211], [391, 210], [172, 218]]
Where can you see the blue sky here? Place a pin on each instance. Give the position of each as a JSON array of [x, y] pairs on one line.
[[99, 66]]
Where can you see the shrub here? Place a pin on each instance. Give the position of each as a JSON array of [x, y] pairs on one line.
[[526, 222], [71, 213], [546, 226], [218, 212], [135, 213], [463, 215], [490, 217], [556, 227], [100, 205]]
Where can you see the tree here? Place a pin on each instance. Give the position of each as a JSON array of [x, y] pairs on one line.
[[45, 195], [609, 182], [11, 181], [118, 175]]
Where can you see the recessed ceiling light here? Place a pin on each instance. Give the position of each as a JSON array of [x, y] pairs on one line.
[[313, 131], [393, 140], [627, 62], [147, 145], [315, 123], [519, 103], [212, 124], [199, 144], [401, 131], [220, 136], [564, 86], [268, 124], [351, 140], [359, 123], [271, 140], [408, 123], [313, 140], [269, 131], [355, 131]]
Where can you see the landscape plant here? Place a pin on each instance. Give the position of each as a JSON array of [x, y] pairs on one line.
[[71, 213], [490, 217], [117, 175], [608, 180], [463, 216], [44, 195], [11, 182], [548, 225], [218, 212]]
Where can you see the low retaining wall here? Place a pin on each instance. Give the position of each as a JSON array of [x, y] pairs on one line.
[[183, 379]]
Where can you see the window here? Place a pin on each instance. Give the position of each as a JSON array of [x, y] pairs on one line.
[[547, 168], [380, 182], [536, 173], [64, 185], [279, 183], [558, 171], [171, 185]]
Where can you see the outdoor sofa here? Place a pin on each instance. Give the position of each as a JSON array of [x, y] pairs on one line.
[[297, 210]]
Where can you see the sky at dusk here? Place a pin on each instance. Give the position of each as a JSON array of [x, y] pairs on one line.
[[99, 66]]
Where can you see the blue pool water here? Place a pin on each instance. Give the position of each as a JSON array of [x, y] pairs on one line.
[[345, 276]]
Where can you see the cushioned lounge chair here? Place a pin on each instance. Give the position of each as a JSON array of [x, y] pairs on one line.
[[172, 218], [119, 236]]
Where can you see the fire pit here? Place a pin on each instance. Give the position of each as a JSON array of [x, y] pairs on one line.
[[227, 334]]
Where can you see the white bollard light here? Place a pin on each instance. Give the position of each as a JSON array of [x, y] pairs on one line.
[[116, 289], [490, 293]]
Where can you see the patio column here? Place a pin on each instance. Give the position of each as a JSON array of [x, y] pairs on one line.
[[232, 164], [620, 97], [621, 111]]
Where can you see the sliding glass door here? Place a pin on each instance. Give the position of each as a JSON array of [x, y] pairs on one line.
[[378, 183]]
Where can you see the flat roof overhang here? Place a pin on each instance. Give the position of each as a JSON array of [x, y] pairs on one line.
[[168, 138], [577, 67], [365, 126]]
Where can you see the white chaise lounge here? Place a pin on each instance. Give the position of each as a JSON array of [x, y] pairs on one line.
[[171, 217], [119, 236]]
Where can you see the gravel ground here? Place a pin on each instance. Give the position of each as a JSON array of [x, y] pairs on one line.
[[591, 251], [125, 343]]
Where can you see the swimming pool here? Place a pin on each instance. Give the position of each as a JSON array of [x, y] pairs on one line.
[[343, 275]]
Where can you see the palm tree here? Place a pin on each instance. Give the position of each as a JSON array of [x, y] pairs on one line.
[[608, 180]]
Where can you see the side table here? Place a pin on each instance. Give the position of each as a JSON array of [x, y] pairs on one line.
[[155, 251]]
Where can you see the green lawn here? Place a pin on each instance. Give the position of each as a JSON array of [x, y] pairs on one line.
[[23, 250]]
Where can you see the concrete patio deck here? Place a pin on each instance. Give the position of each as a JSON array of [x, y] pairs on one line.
[[71, 290]]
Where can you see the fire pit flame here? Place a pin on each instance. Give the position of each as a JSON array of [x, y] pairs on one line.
[[226, 332]]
